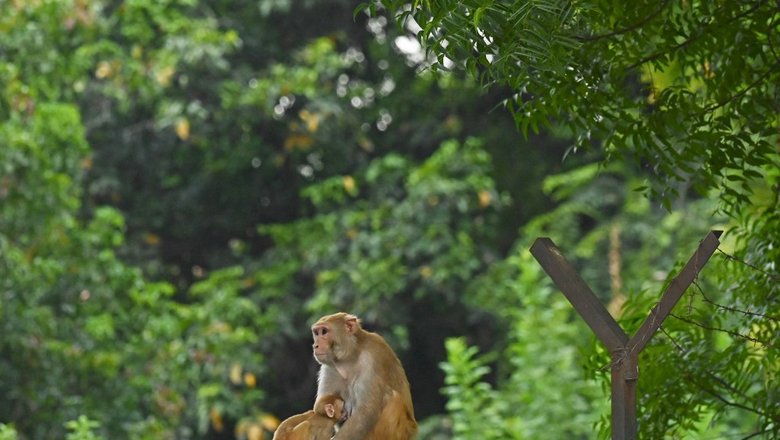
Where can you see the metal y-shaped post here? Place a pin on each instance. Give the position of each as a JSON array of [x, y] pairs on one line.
[[625, 351]]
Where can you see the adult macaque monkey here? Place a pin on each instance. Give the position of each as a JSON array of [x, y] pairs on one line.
[[360, 367], [316, 424]]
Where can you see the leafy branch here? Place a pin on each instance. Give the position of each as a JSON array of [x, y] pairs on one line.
[[648, 18], [761, 78], [691, 376], [733, 309], [752, 266], [703, 30], [727, 331]]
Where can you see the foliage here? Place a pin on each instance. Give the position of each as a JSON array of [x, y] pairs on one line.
[[665, 85], [100, 339], [85, 334], [394, 231], [690, 339], [687, 91], [81, 429], [250, 126], [419, 217], [702, 337], [185, 185], [7, 432], [178, 115], [539, 392]]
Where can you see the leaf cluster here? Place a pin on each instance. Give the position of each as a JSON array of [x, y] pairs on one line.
[[688, 91]]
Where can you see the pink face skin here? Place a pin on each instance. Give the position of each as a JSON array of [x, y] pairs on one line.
[[322, 343]]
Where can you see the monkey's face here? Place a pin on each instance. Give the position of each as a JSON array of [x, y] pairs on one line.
[[324, 339], [335, 338]]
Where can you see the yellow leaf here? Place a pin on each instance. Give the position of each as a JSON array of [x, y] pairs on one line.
[[235, 374], [104, 70], [250, 380], [366, 144], [485, 198], [298, 141], [86, 163], [165, 75], [312, 120], [349, 184], [248, 282], [183, 129], [216, 420], [708, 72], [269, 422], [254, 432], [136, 51], [151, 239]]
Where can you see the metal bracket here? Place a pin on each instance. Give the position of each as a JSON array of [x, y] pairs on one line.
[[625, 351]]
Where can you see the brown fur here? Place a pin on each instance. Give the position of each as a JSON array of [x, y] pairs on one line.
[[360, 367], [316, 424]]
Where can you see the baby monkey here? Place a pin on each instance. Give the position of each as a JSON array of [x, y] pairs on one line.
[[315, 424]]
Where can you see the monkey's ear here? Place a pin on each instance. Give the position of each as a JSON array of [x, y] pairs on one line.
[[352, 322]]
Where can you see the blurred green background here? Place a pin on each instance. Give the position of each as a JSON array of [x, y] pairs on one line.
[[185, 186]]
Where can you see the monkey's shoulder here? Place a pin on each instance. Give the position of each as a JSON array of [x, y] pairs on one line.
[[374, 340], [378, 357]]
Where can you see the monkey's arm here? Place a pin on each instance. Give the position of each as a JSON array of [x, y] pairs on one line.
[[366, 411]]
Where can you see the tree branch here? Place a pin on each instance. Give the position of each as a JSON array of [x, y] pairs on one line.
[[752, 266], [733, 309], [755, 434], [723, 330], [761, 78], [625, 30], [704, 30], [687, 374]]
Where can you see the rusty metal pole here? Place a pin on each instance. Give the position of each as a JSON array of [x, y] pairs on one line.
[[625, 351], [625, 374]]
